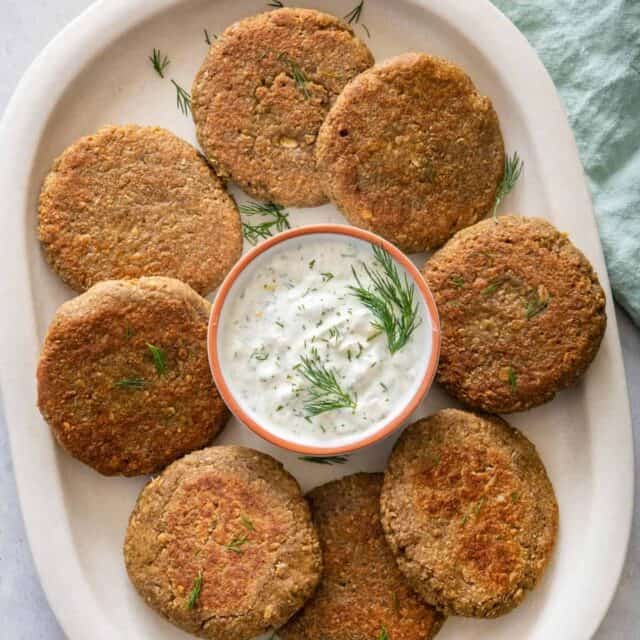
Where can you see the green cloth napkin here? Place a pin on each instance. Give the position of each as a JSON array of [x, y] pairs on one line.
[[591, 48]]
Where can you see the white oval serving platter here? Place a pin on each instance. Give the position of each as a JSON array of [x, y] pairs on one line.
[[97, 72]]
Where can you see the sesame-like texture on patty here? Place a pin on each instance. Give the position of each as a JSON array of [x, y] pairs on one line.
[[131, 201], [124, 379], [362, 590], [469, 512], [262, 93], [222, 545], [522, 313], [412, 151]]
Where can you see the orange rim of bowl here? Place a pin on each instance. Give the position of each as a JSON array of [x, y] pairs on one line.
[[246, 260]]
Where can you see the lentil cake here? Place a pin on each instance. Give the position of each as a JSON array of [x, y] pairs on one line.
[[469, 512], [362, 591], [131, 201], [411, 151], [222, 544], [522, 313], [262, 93], [124, 379]]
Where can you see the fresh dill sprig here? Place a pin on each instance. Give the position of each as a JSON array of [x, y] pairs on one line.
[[355, 13], [195, 592], [512, 169], [159, 62], [208, 37], [391, 300], [325, 459], [130, 383], [354, 16], [458, 281], [275, 218], [324, 391], [384, 635], [246, 523], [298, 75], [183, 98], [236, 544], [159, 358], [276, 4]]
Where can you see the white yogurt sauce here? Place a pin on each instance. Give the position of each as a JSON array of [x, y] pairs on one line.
[[294, 300]]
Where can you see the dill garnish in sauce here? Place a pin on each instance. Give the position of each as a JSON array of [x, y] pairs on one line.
[[324, 392], [390, 300]]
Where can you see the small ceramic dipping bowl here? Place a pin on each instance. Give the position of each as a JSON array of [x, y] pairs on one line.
[[323, 339]]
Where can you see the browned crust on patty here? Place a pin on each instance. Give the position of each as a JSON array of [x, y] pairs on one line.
[[469, 511], [362, 589], [522, 313], [131, 201], [411, 151], [100, 338], [253, 121], [181, 528]]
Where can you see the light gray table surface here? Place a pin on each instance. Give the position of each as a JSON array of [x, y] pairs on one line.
[[25, 28]]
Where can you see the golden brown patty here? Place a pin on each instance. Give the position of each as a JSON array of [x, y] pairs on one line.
[[411, 151], [262, 93], [362, 591], [134, 201], [123, 377], [469, 511], [222, 545], [522, 313]]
